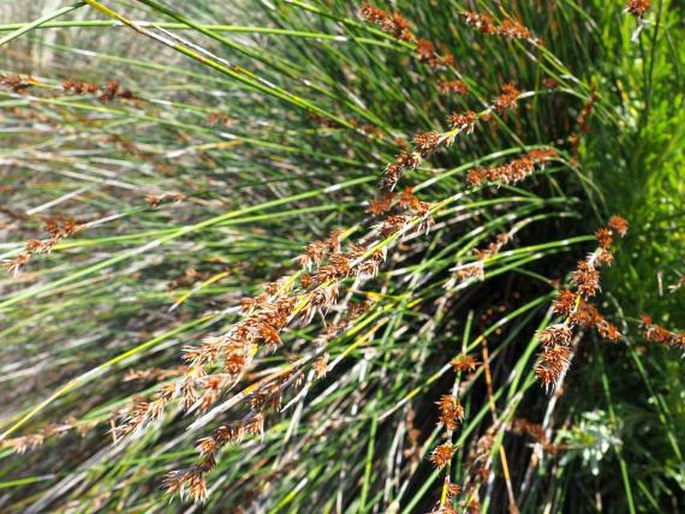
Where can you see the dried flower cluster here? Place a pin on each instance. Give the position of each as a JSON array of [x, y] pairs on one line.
[[216, 118], [393, 23], [32, 441], [426, 143], [451, 411], [457, 87], [17, 83], [426, 52], [264, 319], [403, 161], [583, 124], [442, 454], [657, 334], [190, 482], [446, 505], [556, 339], [266, 397], [365, 128], [407, 201], [105, 93], [465, 122], [464, 363], [508, 28], [513, 171], [59, 228], [476, 270], [157, 200], [638, 8], [508, 99], [583, 118]]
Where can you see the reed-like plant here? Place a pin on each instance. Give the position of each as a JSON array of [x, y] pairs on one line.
[[291, 255]]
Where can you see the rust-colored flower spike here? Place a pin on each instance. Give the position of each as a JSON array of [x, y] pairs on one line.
[[549, 83], [513, 29], [446, 87], [442, 454], [157, 200], [463, 121], [508, 28], [17, 83], [513, 171], [408, 200], [394, 23], [554, 362], [451, 411], [58, 227], [395, 170], [380, 205], [618, 224], [190, 482], [428, 54], [638, 8], [79, 88], [565, 302], [604, 238], [583, 118], [586, 279], [427, 142], [32, 441], [657, 334], [476, 270], [537, 432], [559, 334], [483, 22], [464, 363], [508, 99], [555, 339]]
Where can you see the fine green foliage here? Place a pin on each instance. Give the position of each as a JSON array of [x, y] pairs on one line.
[[335, 256]]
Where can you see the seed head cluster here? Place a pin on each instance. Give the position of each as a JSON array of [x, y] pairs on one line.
[[657, 334], [513, 171], [638, 8], [392, 23], [59, 227], [508, 28], [557, 352]]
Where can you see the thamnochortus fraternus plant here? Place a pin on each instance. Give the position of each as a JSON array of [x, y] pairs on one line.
[[299, 255]]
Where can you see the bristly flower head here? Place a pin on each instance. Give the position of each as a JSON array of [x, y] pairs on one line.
[[559, 334], [508, 98], [427, 142], [509, 28], [554, 362], [619, 224], [394, 23], [565, 302], [463, 121], [638, 8], [604, 238], [442, 454], [464, 363], [451, 411], [586, 278], [452, 86]]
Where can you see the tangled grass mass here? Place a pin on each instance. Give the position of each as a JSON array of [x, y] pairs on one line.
[[334, 256]]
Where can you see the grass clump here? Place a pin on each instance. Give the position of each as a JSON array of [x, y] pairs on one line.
[[355, 257]]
